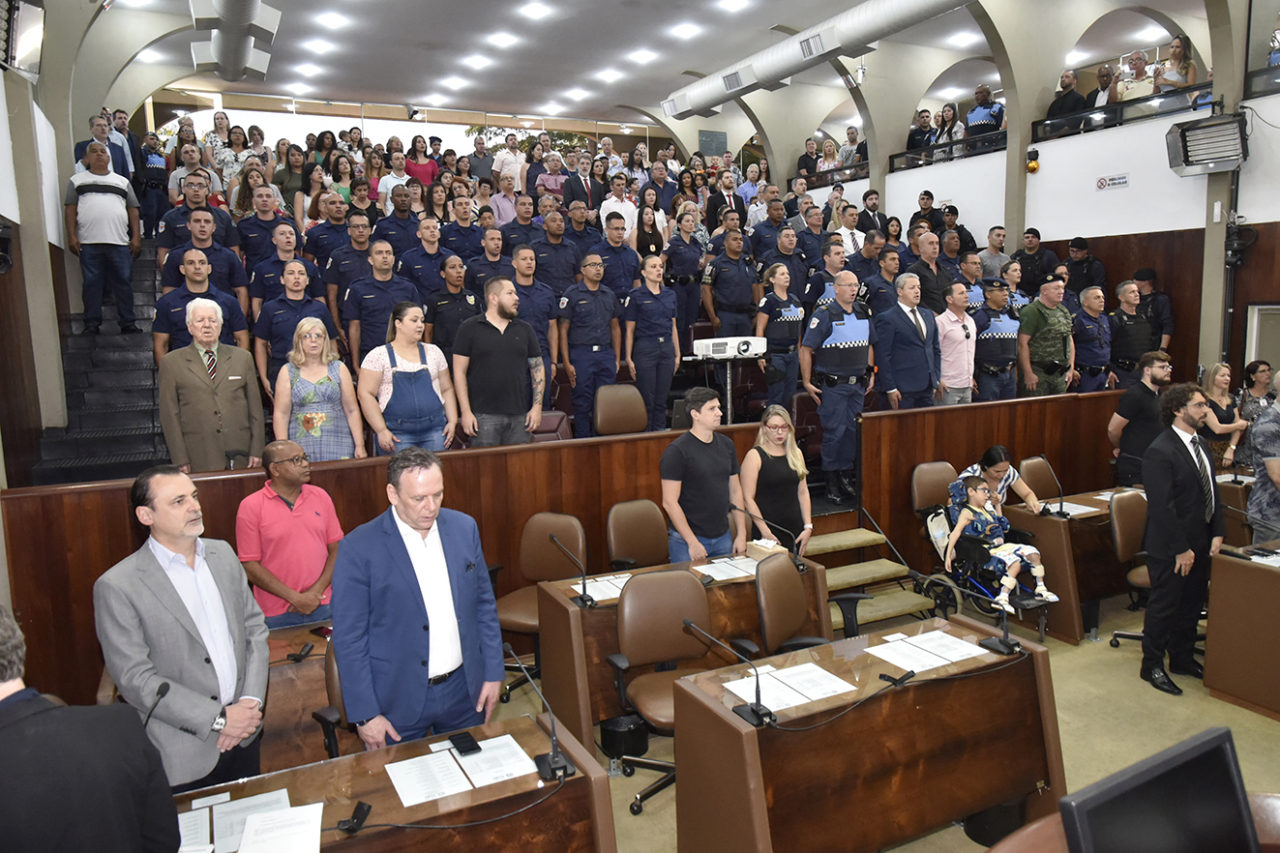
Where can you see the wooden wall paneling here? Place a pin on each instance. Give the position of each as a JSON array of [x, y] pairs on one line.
[[20, 415], [1255, 282]]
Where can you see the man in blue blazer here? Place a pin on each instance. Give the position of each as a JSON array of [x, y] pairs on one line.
[[908, 356], [415, 625]]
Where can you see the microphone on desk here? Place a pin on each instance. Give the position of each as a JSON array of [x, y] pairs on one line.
[[754, 713], [301, 654], [582, 599], [161, 692], [1061, 513], [554, 765], [794, 550], [1002, 645]]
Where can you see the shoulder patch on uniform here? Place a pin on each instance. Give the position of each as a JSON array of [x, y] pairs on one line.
[[813, 324], [564, 302], [626, 300], [471, 299], [763, 302], [161, 227]]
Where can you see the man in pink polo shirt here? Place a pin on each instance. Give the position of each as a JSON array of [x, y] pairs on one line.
[[957, 337], [287, 536]]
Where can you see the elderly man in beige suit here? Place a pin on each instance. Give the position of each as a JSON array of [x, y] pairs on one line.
[[210, 408]]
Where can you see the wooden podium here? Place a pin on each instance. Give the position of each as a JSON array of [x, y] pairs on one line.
[[576, 817], [949, 743]]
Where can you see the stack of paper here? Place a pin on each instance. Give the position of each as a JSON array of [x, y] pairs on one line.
[[786, 688], [444, 773], [229, 817], [603, 588], [295, 830], [728, 568], [926, 651]]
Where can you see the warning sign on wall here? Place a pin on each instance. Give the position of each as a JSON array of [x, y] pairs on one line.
[[1113, 182]]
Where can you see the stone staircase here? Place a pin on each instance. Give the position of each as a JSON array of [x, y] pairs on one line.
[[855, 563]]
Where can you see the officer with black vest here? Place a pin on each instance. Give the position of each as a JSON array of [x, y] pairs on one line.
[[1131, 335], [996, 350], [780, 320]]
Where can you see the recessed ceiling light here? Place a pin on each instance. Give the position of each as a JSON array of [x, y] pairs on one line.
[[1151, 35], [950, 94], [332, 20], [502, 40], [308, 69], [436, 99], [685, 31], [291, 107], [643, 56], [535, 11], [319, 46], [297, 88], [149, 55], [553, 109], [526, 124], [964, 39], [453, 82], [733, 5], [577, 94], [856, 121], [135, 4], [609, 75], [1075, 57], [477, 61]]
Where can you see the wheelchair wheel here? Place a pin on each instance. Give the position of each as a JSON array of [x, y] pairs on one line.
[[942, 589], [982, 603]]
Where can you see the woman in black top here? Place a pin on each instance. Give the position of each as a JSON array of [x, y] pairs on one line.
[[1224, 426], [775, 482], [646, 239]]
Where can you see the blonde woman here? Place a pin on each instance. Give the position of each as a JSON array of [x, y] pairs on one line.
[[829, 159], [316, 398], [404, 390], [775, 482], [1224, 426]]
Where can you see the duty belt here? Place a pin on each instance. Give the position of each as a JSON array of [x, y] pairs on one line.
[[684, 279], [1124, 363], [993, 370], [1092, 369], [1053, 368], [735, 307], [776, 350], [592, 347], [831, 380]]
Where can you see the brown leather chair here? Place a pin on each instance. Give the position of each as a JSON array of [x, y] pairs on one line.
[[540, 560], [554, 426], [620, 409], [651, 614], [929, 484], [636, 532], [1128, 524], [1039, 477], [784, 607], [333, 716]]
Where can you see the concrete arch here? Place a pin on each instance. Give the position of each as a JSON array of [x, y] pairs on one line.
[[736, 124], [112, 45], [138, 81], [1194, 29]]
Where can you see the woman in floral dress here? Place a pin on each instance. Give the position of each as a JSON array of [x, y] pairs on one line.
[[316, 398]]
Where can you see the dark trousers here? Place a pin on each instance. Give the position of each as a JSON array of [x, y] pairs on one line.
[[449, 707], [102, 266], [1127, 378], [781, 392], [992, 388], [916, 399], [655, 361], [237, 763], [1173, 609], [593, 370], [688, 298], [839, 410], [1089, 383], [154, 204]]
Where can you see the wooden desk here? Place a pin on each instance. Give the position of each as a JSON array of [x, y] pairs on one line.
[[1242, 649], [1080, 562], [578, 817], [1239, 533], [901, 764], [576, 643], [1047, 836]]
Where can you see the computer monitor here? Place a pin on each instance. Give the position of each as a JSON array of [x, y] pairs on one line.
[[1187, 799]]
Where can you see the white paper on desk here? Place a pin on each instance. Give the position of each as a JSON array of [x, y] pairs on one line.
[[499, 759], [721, 571], [1103, 496], [774, 695], [229, 817], [745, 564], [1265, 560], [812, 681], [193, 827], [427, 777], [945, 645], [1245, 479], [601, 589], [211, 800], [196, 848], [907, 657], [1073, 510], [295, 830]]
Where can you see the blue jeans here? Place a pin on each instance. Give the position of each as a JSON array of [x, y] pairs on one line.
[[432, 439], [104, 265], [717, 546], [992, 388], [288, 620]]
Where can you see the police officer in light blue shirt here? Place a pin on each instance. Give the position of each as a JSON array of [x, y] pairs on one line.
[[421, 264], [589, 318], [653, 346], [780, 320], [837, 359], [1091, 329], [685, 260], [621, 263], [995, 352]]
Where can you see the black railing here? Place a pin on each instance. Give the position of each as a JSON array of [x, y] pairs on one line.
[[856, 172], [983, 143], [1123, 112]]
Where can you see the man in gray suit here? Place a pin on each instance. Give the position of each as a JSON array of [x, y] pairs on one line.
[[210, 408], [184, 639]]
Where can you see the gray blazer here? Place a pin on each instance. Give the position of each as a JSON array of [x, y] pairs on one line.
[[203, 420], [148, 637]]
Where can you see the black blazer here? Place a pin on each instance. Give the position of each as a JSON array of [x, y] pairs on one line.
[[868, 221], [82, 778], [1175, 500], [575, 191], [717, 201]]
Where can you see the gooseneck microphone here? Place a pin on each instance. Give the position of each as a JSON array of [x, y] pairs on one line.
[[161, 692], [754, 713], [582, 599], [1002, 645], [1061, 513], [555, 765], [794, 550]]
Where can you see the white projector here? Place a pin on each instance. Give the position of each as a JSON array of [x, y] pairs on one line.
[[729, 348]]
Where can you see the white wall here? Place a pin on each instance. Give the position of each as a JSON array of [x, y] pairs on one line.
[[51, 189], [974, 185], [1260, 175], [1063, 199], [8, 185]]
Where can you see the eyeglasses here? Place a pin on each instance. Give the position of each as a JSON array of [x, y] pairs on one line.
[[594, 264], [296, 460], [778, 427]]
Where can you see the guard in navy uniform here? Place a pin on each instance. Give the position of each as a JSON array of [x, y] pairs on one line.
[[537, 307], [780, 320], [255, 231], [787, 254], [462, 236], [728, 286], [325, 236], [370, 301], [684, 275], [1131, 335], [491, 264], [264, 279], [821, 288], [995, 353], [653, 347], [346, 264], [1092, 331], [422, 264], [590, 341], [446, 309], [621, 263], [400, 229], [837, 362], [558, 259]]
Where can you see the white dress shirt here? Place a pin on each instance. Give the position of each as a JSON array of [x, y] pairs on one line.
[[613, 204], [444, 650]]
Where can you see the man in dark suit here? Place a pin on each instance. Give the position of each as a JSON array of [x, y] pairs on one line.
[[725, 198], [1184, 531], [76, 778], [580, 187], [415, 625], [908, 355]]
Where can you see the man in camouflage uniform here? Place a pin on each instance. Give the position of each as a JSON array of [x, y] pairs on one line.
[[1046, 350]]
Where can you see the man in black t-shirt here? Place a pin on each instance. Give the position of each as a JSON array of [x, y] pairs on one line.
[[1137, 422], [699, 484], [491, 353]]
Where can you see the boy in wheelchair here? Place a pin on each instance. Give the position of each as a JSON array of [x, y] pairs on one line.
[[979, 518]]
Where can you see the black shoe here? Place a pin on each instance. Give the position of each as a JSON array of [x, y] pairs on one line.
[[130, 329], [90, 329], [1192, 668], [834, 495], [848, 483], [1160, 680]]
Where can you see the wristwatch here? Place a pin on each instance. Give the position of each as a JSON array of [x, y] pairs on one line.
[[220, 722]]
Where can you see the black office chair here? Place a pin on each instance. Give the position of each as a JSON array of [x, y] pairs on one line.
[[333, 716]]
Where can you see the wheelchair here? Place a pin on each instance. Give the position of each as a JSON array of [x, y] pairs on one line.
[[970, 580]]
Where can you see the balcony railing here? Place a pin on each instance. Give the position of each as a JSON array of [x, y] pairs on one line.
[[972, 146], [1123, 112]]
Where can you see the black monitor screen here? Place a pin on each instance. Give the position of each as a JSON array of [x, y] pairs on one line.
[[1187, 799]]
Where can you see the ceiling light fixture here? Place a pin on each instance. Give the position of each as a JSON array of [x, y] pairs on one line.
[[318, 46], [149, 55], [733, 5], [332, 20], [1151, 35], [643, 56], [454, 82], [553, 109], [609, 75], [135, 4], [308, 69], [964, 39], [950, 94], [436, 99], [577, 94], [1075, 57], [535, 11], [685, 31], [297, 88], [477, 61], [502, 40]]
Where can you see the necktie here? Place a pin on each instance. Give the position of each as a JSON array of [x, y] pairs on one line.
[[1206, 483], [915, 315], [212, 361]]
